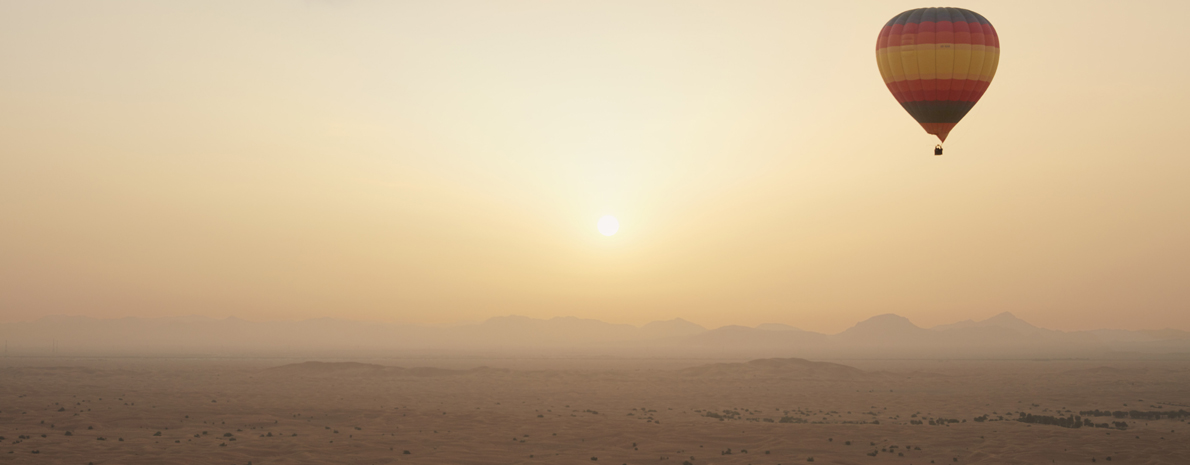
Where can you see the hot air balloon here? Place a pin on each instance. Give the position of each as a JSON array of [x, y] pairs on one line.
[[938, 62]]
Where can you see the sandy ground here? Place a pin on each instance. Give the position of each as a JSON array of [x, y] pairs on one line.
[[147, 411]]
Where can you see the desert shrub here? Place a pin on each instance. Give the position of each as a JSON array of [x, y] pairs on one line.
[[1137, 414]]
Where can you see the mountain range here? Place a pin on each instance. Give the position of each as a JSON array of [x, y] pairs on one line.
[[882, 336]]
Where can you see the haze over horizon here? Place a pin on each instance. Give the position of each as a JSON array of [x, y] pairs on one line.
[[439, 162], [1002, 316]]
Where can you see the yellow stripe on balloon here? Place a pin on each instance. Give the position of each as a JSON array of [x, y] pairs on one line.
[[962, 61], [909, 61], [991, 60], [894, 63], [926, 61], [944, 61], [977, 57], [882, 62]]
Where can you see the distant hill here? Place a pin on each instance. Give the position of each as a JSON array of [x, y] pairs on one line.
[[519, 331], [882, 336], [781, 368], [1002, 320], [743, 337], [776, 327], [675, 328], [883, 329]]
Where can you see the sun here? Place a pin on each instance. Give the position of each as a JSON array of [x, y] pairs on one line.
[[608, 225]]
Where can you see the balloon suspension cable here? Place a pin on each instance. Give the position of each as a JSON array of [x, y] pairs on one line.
[[938, 150]]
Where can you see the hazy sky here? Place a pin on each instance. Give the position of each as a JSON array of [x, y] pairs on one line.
[[440, 161]]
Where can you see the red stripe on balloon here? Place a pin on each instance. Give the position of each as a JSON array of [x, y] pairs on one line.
[[944, 32], [925, 32], [962, 32], [929, 89]]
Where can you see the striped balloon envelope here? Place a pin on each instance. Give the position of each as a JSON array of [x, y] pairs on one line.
[[938, 62]]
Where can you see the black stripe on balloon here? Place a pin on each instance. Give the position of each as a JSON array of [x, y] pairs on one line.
[[928, 15], [937, 111], [921, 15]]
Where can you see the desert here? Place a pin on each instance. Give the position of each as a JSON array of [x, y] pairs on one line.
[[765, 411]]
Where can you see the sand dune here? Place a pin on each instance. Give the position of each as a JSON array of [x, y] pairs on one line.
[[795, 368], [345, 369]]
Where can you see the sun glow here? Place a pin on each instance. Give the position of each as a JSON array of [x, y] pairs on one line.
[[608, 225]]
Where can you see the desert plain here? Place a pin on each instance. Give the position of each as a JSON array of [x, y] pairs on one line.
[[591, 411]]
